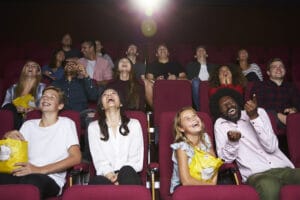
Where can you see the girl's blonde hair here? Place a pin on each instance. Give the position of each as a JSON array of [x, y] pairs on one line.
[[21, 83], [179, 135]]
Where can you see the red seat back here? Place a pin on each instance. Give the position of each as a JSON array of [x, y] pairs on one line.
[[141, 116], [7, 122], [107, 192], [19, 191], [170, 95], [290, 192], [203, 96], [293, 137], [232, 192], [166, 138], [72, 114]]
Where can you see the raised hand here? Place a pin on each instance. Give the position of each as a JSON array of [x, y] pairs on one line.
[[251, 107], [234, 136]]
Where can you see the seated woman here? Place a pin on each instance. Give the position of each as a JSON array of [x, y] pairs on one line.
[[251, 71], [53, 147], [24, 96], [229, 76], [189, 134], [55, 69], [116, 143], [130, 88]]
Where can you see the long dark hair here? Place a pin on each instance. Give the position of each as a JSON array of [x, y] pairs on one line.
[[237, 76], [124, 130], [53, 60], [133, 97]]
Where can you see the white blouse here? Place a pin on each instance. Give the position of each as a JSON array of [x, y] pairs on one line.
[[118, 150]]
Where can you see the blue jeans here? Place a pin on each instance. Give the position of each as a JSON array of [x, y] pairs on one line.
[[195, 93]]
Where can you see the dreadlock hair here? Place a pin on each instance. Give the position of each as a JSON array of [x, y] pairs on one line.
[[215, 98]]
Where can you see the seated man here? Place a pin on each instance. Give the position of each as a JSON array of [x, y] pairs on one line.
[[276, 95], [97, 67], [199, 70], [162, 69], [52, 147], [246, 136], [139, 67]]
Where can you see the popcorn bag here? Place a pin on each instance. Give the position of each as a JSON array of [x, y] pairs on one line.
[[11, 152], [25, 101], [204, 166]]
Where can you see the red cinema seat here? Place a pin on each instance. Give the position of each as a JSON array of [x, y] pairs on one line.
[[107, 192], [290, 192], [293, 137], [7, 122], [216, 192], [170, 95], [20, 191]]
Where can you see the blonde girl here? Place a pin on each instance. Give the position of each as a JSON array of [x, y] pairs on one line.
[[189, 132]]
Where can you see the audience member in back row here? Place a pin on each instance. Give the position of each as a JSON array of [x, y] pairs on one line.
[[116, 143], [161, 69], [227, 76], [78, 88], [246, 136], [199, 70], [55, 70], [276, 95], [24, 96], [70, 52], [138, 67], [101, 52], [130, 88], [96, 67], [53, 147], [251, 71]]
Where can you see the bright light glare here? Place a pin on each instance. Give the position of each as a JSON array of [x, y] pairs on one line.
[[149, 6]]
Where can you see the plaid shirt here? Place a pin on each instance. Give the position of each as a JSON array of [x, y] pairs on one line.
[[270, 96]]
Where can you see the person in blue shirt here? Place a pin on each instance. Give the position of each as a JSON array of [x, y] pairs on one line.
[[79, 89], [55, 70]]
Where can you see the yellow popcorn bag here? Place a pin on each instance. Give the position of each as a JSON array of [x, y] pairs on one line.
[[11, 152], [25, 101], [204, 166]]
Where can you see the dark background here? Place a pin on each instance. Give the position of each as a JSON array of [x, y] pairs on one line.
[[212, 22]]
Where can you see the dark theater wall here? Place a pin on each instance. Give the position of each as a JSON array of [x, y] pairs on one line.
[[184, 23]]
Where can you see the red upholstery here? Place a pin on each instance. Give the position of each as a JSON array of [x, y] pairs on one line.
[[293, 137], [74, 115], [290, 192], [216, 192], [17, 192], [141, 116], [107, 192], [248, 89], [204, 98], [165, 152], [170, 95], [7, 122]]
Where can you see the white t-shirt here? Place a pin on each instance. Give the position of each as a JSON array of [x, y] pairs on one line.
[[90, 67], [117, 151], [203, 73], [50, 144]]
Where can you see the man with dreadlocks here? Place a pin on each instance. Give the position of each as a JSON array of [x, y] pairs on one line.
[[246, 136]]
